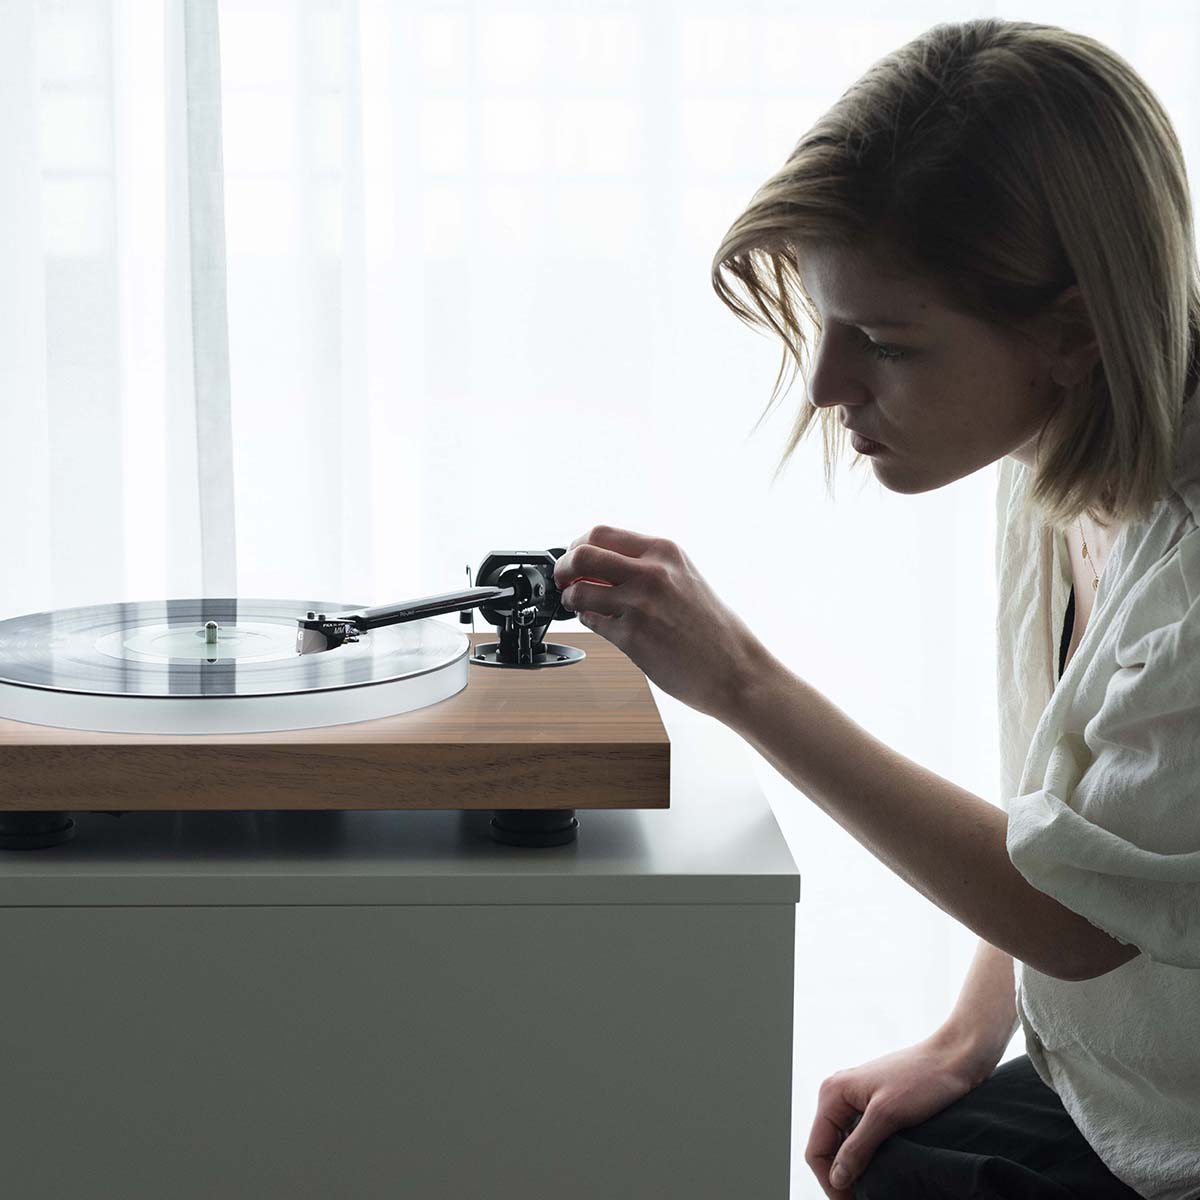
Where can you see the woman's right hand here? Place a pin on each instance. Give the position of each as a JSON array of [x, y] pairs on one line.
[[860, 1107]]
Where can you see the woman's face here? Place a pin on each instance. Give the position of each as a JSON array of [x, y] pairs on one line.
[[944, 394]]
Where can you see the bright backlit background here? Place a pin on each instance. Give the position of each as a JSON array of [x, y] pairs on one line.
[[467, 251]]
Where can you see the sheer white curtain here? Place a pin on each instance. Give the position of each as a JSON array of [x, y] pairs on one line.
[[333, 298], [117, 450]]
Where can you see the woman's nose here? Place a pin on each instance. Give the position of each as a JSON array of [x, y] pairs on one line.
[[830, 384], [832, 381]]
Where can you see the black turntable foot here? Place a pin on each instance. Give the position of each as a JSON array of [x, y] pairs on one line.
[[534, 826], [34, 830]]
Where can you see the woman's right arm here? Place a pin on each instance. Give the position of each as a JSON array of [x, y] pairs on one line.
[[984, 1017], [910, 1085]]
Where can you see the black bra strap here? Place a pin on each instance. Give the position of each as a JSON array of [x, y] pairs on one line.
[[1068, 622]]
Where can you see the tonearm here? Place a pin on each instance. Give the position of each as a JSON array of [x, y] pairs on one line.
[[515, 591]]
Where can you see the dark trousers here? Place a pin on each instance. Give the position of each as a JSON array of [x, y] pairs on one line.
[[1008, 1139]]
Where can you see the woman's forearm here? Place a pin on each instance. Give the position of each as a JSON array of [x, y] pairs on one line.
[[946, 842], [984, 1017]]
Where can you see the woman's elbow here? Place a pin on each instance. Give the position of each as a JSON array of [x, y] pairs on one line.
[[1100, 959]]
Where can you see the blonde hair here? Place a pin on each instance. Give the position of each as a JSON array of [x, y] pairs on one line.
[[1003, 161]]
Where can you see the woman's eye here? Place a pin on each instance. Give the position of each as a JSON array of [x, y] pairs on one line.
[[885, 353], [879, 350]]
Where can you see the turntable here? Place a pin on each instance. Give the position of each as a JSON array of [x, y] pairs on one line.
[[235, 704]]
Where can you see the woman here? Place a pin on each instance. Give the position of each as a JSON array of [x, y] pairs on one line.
[[991, 232]]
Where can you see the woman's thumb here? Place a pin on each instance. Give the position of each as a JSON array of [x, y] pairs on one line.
[[860, 1146]]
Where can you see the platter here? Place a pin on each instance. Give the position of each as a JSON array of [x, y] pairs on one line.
[[216, 665]]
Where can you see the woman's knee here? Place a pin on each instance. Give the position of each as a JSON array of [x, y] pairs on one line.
[[889, 1174], [905, 1170]]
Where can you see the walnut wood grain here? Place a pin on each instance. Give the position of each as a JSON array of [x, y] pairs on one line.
[[587, 735]]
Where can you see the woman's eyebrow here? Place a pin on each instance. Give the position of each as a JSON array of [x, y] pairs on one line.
[[880, 323], [877, 322]]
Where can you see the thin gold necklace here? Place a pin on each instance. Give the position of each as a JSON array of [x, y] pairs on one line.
[[1091, 562]]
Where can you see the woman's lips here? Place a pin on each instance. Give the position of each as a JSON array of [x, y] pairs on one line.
[[865, 445]]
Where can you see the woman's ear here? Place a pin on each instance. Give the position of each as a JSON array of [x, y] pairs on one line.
[[1070, 338]]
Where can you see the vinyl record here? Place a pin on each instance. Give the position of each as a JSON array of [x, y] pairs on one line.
[[161, 667]]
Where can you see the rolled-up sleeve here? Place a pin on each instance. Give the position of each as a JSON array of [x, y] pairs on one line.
[[1113, 832]]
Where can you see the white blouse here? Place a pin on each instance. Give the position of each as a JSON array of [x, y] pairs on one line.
[[1100, 776]]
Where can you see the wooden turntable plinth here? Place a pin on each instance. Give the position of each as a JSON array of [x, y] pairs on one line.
[[582, 735]]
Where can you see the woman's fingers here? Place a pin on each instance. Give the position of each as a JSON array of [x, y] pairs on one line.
[[585, 596], [600, 565], [861, 1143], [835, 1115], [592, 571], [609, 537]]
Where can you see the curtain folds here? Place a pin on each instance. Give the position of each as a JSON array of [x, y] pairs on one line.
[[206, 296], [118, 446]]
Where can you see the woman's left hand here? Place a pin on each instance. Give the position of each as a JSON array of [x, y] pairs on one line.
[[644, 595]]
